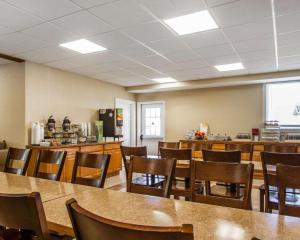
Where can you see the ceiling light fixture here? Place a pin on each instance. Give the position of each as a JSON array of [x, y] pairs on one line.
[[164, 80], [191, 23], [229, 67], [83, 46]]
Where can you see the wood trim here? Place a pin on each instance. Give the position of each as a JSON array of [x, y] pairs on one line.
[[10, 58]]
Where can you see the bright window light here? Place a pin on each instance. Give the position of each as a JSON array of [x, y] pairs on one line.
[[164, 80], [229, 67], [191, 23], [83, 46]]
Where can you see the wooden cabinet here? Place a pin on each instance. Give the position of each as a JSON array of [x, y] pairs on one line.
[[102, 148]]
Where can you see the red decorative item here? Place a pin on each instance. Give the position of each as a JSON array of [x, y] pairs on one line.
[[200, 135]]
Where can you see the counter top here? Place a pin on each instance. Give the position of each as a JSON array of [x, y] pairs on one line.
[[289, 142], [71, 145]]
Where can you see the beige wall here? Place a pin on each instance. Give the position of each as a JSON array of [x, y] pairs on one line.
[[52, 91], [227, 110], [12, 104]]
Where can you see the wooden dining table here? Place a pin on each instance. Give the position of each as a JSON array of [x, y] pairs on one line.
[[209, 221]]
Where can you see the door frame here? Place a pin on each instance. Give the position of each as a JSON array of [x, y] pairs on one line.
[[133, 136], [139, 118]]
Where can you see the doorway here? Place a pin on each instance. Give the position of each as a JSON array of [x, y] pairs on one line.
[[150, 124], [129, 122]]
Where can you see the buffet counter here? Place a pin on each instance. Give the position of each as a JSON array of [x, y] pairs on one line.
[[258, 147], [112, 148]]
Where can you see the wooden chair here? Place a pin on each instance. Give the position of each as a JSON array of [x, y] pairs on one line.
[[199, 145], [55, 158], [181, 172], [172, 145], [270, 181], [287, 177], [18, 155], [89, 160], [225, 172], [127, 152], [23, 212], [161, 167], [89, 226], [222, 156], [246, 148], [280, 148]]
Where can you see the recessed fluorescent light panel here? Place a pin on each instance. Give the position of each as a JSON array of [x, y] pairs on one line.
[[83, 46], [229, 67], [191, 23], [164, 80]]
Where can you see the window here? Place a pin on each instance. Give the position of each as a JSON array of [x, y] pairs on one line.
[[283, 103], [152, 120]]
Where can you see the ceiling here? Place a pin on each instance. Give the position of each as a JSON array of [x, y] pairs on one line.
[[140, 47]]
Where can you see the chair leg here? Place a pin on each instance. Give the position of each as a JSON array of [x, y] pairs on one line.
[[261, 200]]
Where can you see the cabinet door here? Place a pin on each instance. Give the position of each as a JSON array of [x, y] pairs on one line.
[[115, 164]]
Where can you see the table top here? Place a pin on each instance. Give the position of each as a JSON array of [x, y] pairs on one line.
[[209, 221]]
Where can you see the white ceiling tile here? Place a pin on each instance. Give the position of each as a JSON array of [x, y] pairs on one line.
[[257, 55], [82, 23], [51, 33], [286, 6], [137, 50], [240, 12], [47, 54], [122, 13], [223, 60], [193, 71], [288, 51], [84, 60], [5, 30], [112, 40], [204, 39], [17, 42], [289, 39], [260, 29], [215, 3], [148, 32], [152, 61], [146, 72], [235, 73], [92, 70], [255, 45], [126, 63], [169, 45], [181, 56], [15, 18], [215, 51], [288, 23], [290, 60], [199, 63], [173, 8], [261, 65], [91, 3], [46, 9]]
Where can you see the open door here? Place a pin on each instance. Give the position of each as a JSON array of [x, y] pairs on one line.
[[151, 125]]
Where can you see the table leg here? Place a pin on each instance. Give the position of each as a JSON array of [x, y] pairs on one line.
[[261, 200]]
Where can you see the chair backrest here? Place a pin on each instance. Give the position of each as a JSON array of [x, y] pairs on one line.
[[178, 154], [25, 212], [88, 160], [222, 156], [88, 226], [272, 159], [222, 172], [280, 148], [55, 158], [243, 147], [19, 155], [173, 145], [162, 167], [287, 177], [199, 145], [127, 152]]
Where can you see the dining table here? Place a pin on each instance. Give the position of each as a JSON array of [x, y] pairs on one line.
[[209, 221]]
